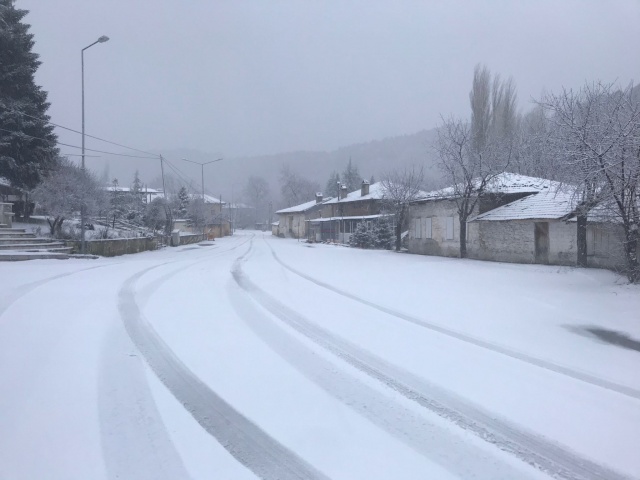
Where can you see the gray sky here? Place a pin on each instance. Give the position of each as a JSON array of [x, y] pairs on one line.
[[258, 77]]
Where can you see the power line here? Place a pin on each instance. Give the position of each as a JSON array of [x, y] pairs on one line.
[[86, 134], [75, 146]]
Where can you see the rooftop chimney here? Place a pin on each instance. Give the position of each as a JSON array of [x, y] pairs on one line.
[[343, 192], [364, 189], [319, 197]]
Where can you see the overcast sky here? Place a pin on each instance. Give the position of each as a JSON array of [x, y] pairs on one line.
[[257, 77]]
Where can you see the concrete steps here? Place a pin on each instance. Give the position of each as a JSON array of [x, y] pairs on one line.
[[15, 256], [24, 240], [17, 244], [42, 245]]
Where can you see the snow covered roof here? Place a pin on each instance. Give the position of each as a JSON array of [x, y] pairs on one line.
[[548, 204], [303, 207], [376, 192], [4, 182], [502, 183], [350, 217], [207, 198], [145, 190]]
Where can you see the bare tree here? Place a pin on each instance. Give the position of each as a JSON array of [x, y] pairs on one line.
[[296, 189], [258, 194], [473, 153], [64, 190], [401, 188], [596, 140], [469, 169], [534, 156]]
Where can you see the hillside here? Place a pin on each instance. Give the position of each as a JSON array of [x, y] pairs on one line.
[[228, 177]]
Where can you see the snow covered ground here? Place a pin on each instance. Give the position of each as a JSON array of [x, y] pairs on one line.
[[258, 357]]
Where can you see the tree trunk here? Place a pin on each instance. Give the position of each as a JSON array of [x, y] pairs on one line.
[[581, 240], [57, 227], [463, 238], [631, 252], [399, 230]]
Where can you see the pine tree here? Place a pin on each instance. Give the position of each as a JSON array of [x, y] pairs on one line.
[[383, 233], [351, 177], [363, 237], [331, 189], [117, 203], [27, 142], [134, 201], [182, 210]]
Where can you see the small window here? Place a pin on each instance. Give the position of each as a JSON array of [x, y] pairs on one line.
[[417, 228], [449, 233], [426, 227]]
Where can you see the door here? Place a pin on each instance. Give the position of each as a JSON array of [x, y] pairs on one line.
[[542, 242]]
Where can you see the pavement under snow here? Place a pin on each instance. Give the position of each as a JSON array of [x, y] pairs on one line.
[[258, 357]]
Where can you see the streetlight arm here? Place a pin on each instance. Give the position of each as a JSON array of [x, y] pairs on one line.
[[102, 39]]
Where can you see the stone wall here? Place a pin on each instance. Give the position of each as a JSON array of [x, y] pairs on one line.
[[115, 247], [438, 244], [191, 238]]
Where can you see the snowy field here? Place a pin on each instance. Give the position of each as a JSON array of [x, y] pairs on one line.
[[258, 357]]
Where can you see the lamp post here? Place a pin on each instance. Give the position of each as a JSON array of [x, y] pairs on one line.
[[202, 164], [102, 39]]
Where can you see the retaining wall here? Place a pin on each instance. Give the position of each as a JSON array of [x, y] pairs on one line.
[[116, 246]]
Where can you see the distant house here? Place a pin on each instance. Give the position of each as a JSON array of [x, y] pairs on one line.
[[340, 216], [147, 194], [434, 225], [518, 219], [293, 221], [216, 221]]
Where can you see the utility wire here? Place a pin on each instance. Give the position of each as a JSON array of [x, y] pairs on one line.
[[86, 134], [75, 146]]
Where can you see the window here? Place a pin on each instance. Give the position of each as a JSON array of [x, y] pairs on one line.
[[426, 227], [449, 232], [417, 230]]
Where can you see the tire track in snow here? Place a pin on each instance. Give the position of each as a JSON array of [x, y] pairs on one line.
[[250, 445], [135, 442], [529, 448], [577, 375]]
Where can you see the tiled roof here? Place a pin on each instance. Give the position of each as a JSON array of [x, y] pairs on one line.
[[207, 198], [503, 183], [543, 205], [376, 192], [303, 207]]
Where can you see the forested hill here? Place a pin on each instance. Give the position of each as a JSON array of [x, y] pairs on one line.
[[372, 158]]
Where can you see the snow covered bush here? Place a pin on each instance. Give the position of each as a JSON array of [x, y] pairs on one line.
[[383, 235], [362, 237]]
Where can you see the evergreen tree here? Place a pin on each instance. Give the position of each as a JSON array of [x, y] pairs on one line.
[[182, 207], [351, 177], [363, 237], [331, 190], [134, 202], [27, 142], [117, 203], [383, 235]]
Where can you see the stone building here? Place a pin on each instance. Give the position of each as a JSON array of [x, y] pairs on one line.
[[293, 221], [339, 217], [519, 219]]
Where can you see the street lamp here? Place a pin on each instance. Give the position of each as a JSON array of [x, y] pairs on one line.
[[202, 164], [102, 39]]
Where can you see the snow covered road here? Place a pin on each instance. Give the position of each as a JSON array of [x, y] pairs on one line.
[[259, 357]]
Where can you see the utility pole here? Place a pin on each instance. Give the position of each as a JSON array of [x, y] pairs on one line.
[[83, 207], [202, 164]]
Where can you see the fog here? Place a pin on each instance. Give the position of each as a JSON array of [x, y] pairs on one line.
[[240, 79]]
